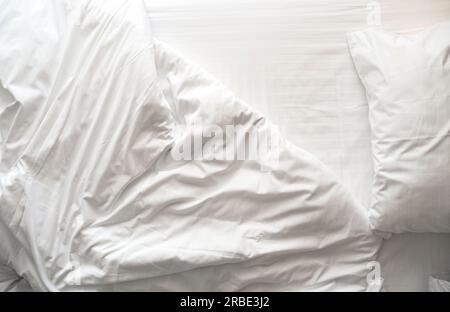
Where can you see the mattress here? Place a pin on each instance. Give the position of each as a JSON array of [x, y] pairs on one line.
[[290, 61]]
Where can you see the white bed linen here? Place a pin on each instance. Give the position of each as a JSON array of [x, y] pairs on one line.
[[290, 60], [91, 199], [407, 79]]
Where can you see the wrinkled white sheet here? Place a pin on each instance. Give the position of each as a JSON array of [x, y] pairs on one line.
[[290, 60], [90, 198], [10, 282], [440, 282]]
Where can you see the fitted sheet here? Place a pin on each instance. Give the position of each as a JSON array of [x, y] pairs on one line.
[[290, 61]]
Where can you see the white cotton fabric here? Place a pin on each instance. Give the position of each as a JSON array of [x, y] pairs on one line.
[[407, 79], [290, 60], [90, 198], [439, 282], [10, 282]]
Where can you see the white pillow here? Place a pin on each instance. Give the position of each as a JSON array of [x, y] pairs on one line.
[[407, 82]]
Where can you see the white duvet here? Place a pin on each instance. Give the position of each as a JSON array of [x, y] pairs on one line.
[[91, 199]]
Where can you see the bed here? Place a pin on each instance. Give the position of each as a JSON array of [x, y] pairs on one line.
[[287, 60]]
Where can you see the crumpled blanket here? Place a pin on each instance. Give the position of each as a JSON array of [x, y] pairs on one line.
[[92, 197]]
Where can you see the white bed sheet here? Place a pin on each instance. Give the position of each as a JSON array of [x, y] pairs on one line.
[[289, 59]]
